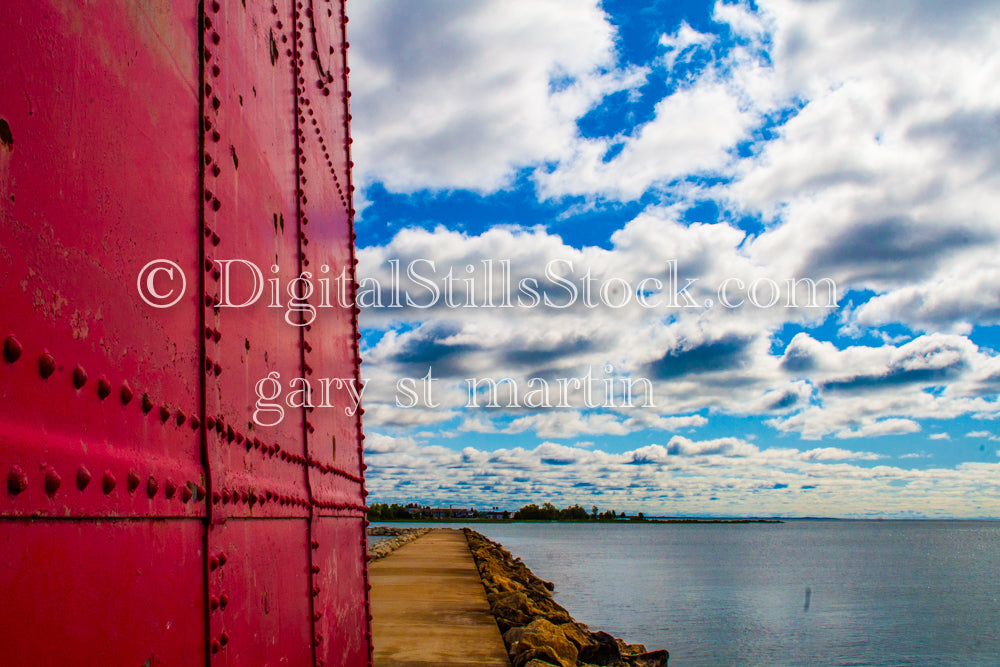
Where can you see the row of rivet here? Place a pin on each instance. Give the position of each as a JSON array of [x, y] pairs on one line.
[[219, 600], [17, 483], [12, 351]]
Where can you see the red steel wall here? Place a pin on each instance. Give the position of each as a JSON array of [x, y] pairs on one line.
[[145, 518]]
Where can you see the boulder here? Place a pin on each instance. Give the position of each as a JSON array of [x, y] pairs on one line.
[[540, 640], [650, 659], [544, 655], [629, 649], [511, 609], [602, 649]]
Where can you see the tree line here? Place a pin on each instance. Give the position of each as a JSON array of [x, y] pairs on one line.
[[530, 512]]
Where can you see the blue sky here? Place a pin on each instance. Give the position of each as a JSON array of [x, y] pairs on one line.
[[716, 145]]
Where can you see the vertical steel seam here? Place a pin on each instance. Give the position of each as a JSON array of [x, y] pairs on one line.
[[356, 330], [202, 350], [299, 90]]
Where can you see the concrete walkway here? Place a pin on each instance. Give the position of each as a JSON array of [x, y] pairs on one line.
[[429, 606]]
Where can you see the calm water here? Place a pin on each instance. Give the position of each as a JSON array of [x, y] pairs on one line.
[[881, 593]]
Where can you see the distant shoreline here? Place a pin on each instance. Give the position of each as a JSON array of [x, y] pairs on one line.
[[602, 523]]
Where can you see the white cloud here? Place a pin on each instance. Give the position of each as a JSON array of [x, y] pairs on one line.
[[684, 477], [939, 436], [682, 43], [692, 132], [883, 427], [460, 95]]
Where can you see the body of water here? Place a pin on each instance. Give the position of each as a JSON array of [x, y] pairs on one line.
[[795, 593]]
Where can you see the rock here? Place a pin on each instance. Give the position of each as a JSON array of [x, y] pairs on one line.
[[603, 649], [651, 659], [386, 547], [539, 656], [511, 609], [537, 631], [630, 649], [540, 640]]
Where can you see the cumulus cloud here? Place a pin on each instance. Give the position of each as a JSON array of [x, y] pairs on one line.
[[684, 476], [860, 139], [460, 95]]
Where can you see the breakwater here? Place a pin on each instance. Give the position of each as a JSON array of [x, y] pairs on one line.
[[398, 537], [537, 631]]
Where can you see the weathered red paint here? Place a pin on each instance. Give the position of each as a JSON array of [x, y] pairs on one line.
[[145, 518]]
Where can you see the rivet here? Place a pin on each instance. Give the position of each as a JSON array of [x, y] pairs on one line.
[[195, 423], [108, 482], [17, 480], [210, 423], [126, 394], [179, 418], [216, 497], [217, 369], [164, 413], [220, 426], [222, 558], [314, 545], [12, 349], [46, 365], [83, 478], [213, 563], [133, 481], [79, 377], [213, 603], [216, 646], [52, 481], [224, 638], [225, 497], [315, 569], [223, 601], [170, 489], [315, 591], [103, 388], [152, 486], [186, 494], [147, 404], [230, 433], [200, 490]]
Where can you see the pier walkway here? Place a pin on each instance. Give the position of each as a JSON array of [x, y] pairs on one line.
[[429, 607]]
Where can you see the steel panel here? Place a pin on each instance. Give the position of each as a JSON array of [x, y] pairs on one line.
[[339, 554], [250, 214], [333, 433], [100, 382], [259, 596], [139, 490], [69, 600]]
